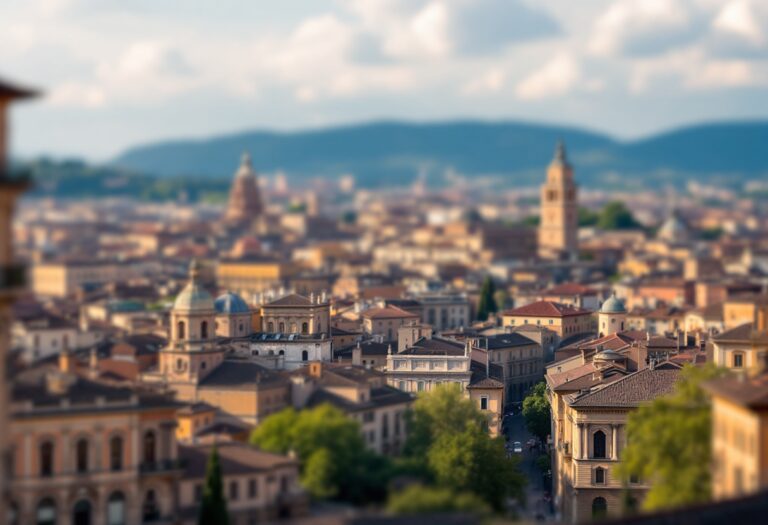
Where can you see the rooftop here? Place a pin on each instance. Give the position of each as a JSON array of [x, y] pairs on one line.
[[546, 309]]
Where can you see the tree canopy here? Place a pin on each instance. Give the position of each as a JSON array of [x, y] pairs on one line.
[[536, 411], [616, 216], [668, 443], [335, 461], [213, 508], [449, 441], [420, 499], [487, 303]]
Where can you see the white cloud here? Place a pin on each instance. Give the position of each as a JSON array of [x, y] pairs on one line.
[[643, 27], [491, 81], [738, 18], [557, 77]]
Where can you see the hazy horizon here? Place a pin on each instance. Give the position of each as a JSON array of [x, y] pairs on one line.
[[117, 75]]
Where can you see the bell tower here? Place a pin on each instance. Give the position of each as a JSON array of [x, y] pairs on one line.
[[558, 228], [192, 352]]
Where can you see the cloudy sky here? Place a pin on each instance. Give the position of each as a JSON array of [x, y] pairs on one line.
[[118, 73]]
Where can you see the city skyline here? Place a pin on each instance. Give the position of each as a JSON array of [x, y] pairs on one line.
[[117, 76]]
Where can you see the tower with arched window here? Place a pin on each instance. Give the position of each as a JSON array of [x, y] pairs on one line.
[[192, 352], [558, 227]]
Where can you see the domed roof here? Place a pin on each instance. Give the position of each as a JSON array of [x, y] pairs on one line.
[[613, 305], [674, 229], [231, 303], [608, 355], [193, 297]]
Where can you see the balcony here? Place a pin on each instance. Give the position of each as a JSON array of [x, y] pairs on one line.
[[12, 277]]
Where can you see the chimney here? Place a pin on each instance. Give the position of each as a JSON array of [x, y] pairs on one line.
[[93, 362], [357, 355], [65, 361], [316, 369]]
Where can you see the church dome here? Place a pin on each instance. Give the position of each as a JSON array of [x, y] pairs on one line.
[[613, 305], [231, 303], [193, 297], [608, 356], [674, 229]]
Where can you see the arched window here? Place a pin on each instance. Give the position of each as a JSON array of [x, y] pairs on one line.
[[150, 510], [116, 453], [81, 513], [599, 508], [46, 512], [204, 330], [149, 447], [281, 352], [46, 459], [270, 327], [81, 456], [180, 331], [305, 328], [116, 509], [598, 444], [281, 328], [304, 355], [240, 328]]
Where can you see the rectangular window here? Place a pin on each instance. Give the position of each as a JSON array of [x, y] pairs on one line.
[[599, 476], [233, 490], [484, 403], [738, 360], [253, 488]]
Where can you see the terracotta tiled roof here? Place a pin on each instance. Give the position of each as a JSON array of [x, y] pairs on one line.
[[750, 392], [389, 312], [546, 309], [633, 390]]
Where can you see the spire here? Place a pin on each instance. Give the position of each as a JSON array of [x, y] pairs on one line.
[[560, 154], [245, 160], [194, 270]]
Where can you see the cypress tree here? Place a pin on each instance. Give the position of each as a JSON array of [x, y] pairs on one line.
[[213, 509], [487, 303]]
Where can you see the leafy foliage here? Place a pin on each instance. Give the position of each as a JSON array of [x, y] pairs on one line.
[[616, 216], [536, 411], [669, 443], [487, 303], [449, 442], [335, 461], [213, 509], [418, 499]]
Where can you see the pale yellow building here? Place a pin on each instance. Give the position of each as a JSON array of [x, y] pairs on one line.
[[739, 435], [564, 320], [253, 275], [558, 229]]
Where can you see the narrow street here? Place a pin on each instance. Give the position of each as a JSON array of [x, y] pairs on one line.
[[537, 507]]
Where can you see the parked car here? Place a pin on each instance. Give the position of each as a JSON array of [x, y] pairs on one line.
[[517, 447]]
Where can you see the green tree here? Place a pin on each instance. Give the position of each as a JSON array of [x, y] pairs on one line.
[[616, 216], [487, 303], [668, 443], [471, 461], [536, 411], [449, 444], [335, 461], [418, 499], [588, 217], [502, 299], [213, 509]]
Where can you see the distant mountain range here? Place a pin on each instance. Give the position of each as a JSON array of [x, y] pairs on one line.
[[386, 153]]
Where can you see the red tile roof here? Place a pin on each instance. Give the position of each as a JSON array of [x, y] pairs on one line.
[[389, 312], [569, 289], [546, 309]]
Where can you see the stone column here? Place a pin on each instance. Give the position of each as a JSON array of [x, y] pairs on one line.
[[582, 443], [615, 442]]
